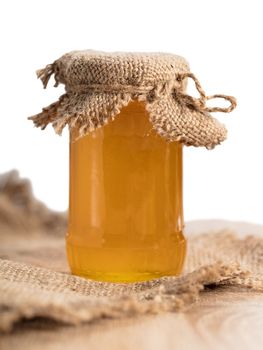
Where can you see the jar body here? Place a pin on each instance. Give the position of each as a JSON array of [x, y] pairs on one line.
[[125, 208]]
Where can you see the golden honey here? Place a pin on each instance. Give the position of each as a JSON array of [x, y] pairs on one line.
[[125, 208]]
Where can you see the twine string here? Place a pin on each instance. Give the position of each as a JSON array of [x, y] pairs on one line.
[[160, 89]]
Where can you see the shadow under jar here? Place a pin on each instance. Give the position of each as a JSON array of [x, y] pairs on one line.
[[125, 209]]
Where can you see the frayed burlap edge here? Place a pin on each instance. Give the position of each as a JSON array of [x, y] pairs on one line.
[[27, 298], [215, 259]]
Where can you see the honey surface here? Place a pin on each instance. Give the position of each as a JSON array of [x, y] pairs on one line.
[[125, 210]]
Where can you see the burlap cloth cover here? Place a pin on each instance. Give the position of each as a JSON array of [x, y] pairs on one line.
[[99, 84], [28, 291]]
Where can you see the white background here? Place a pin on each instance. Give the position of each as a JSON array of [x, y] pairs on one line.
[[222, 40]]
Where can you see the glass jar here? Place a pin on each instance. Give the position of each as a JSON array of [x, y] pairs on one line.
[[125, 210]]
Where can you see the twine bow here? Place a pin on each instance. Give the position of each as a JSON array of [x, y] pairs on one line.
[[174, 86], [200, 103]]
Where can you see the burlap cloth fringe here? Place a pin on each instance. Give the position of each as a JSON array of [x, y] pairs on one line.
[[27, 292], [99, 84]]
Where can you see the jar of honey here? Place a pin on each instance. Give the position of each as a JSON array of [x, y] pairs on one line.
[[129, 117], [125, 211]]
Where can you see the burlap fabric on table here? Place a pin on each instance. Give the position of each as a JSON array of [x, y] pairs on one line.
[[99, 84], [29, 290]]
